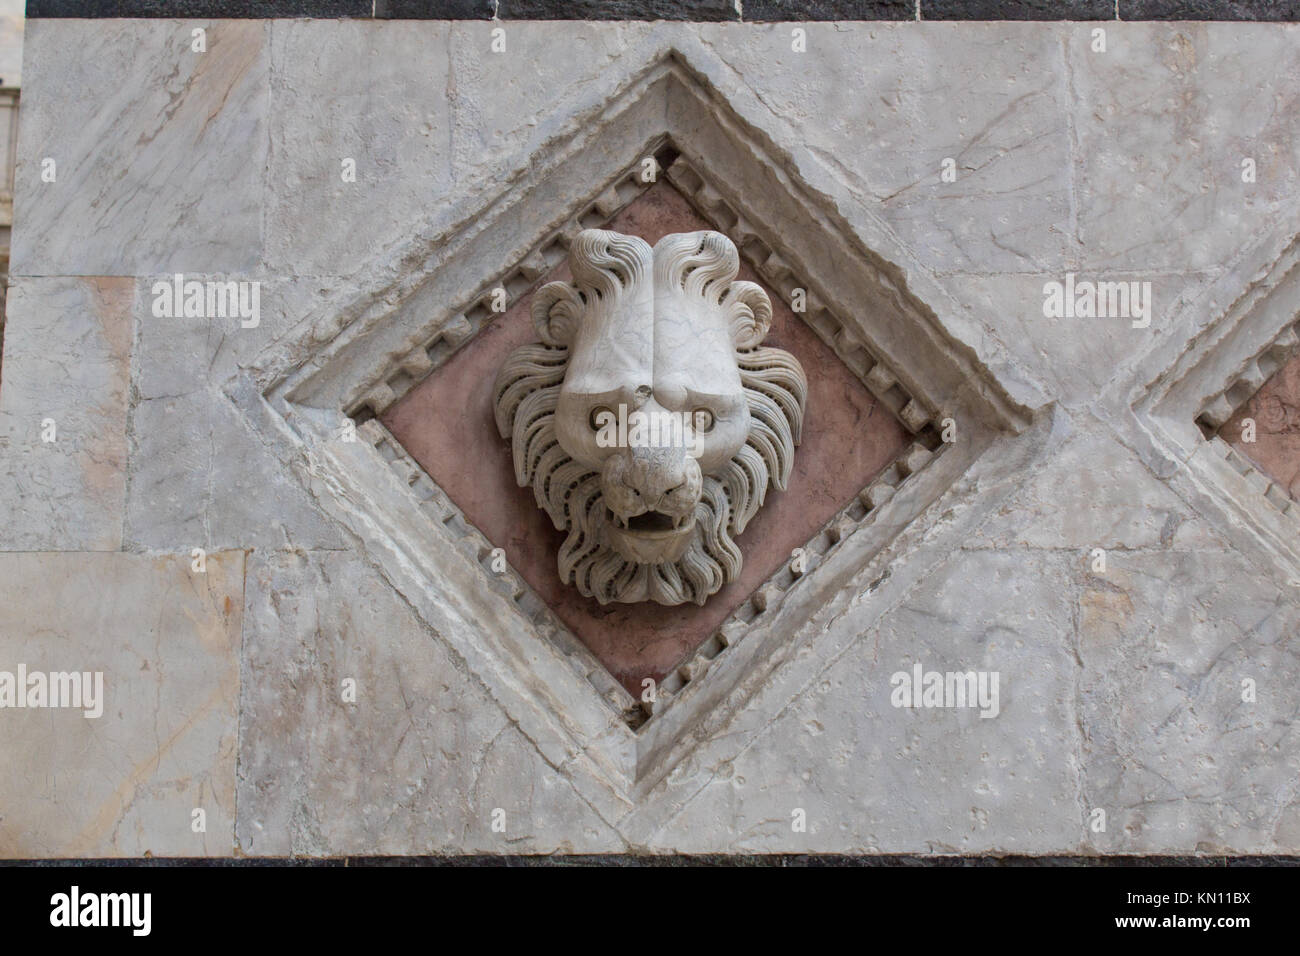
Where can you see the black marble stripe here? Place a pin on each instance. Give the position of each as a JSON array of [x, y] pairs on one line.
[[1018, 9], [700, 10], [205, 9], [766, 10], [1209, 9], [435, 9]]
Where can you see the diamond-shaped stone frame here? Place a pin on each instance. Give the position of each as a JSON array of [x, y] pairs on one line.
[[354, 358], [518, 282], [1187, 398]]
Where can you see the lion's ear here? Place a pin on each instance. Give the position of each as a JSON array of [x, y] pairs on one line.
[[557, 310], [749, 314]]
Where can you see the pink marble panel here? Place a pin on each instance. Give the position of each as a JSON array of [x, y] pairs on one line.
[[446, 424], [1276, 411]]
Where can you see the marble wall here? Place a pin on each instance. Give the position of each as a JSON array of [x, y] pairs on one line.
[[287, 670]]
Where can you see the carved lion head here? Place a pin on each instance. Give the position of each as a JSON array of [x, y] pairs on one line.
[[649, 420]]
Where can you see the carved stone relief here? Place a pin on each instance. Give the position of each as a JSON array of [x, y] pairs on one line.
[[650, 421]]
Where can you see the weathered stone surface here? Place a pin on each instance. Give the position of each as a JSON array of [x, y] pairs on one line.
[[179, 9], [178, 355], [126, 783], [876, 778], [753, 10], [1076, 359], [71, 8], [417, 764], [1153, 191], [158, 154], [1115, 503], [1007, 132], [1172, 752], [67, 367], [183, 8], [200, 478], [191, 450], [391, 118], [436, 9], [498, 119], [309, 8], [684, 9], [11, 43]]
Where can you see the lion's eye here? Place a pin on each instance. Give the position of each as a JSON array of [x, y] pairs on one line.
[[600, 417], [703, 419]]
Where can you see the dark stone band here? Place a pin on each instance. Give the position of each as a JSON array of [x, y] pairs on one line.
[[756, 11]]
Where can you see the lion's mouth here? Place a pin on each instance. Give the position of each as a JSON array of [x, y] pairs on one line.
[[651, 537], [654, 523]]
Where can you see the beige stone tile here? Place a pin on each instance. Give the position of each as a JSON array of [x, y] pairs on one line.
[[166, 640]]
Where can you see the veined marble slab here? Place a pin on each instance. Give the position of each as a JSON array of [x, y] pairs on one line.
[[166, 641]]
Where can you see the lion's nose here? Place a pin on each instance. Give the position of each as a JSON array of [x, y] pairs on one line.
[[661, 480], [657, 472], [678, 489]]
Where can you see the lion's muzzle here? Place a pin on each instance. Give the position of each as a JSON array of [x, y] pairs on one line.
[[651, 493]]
